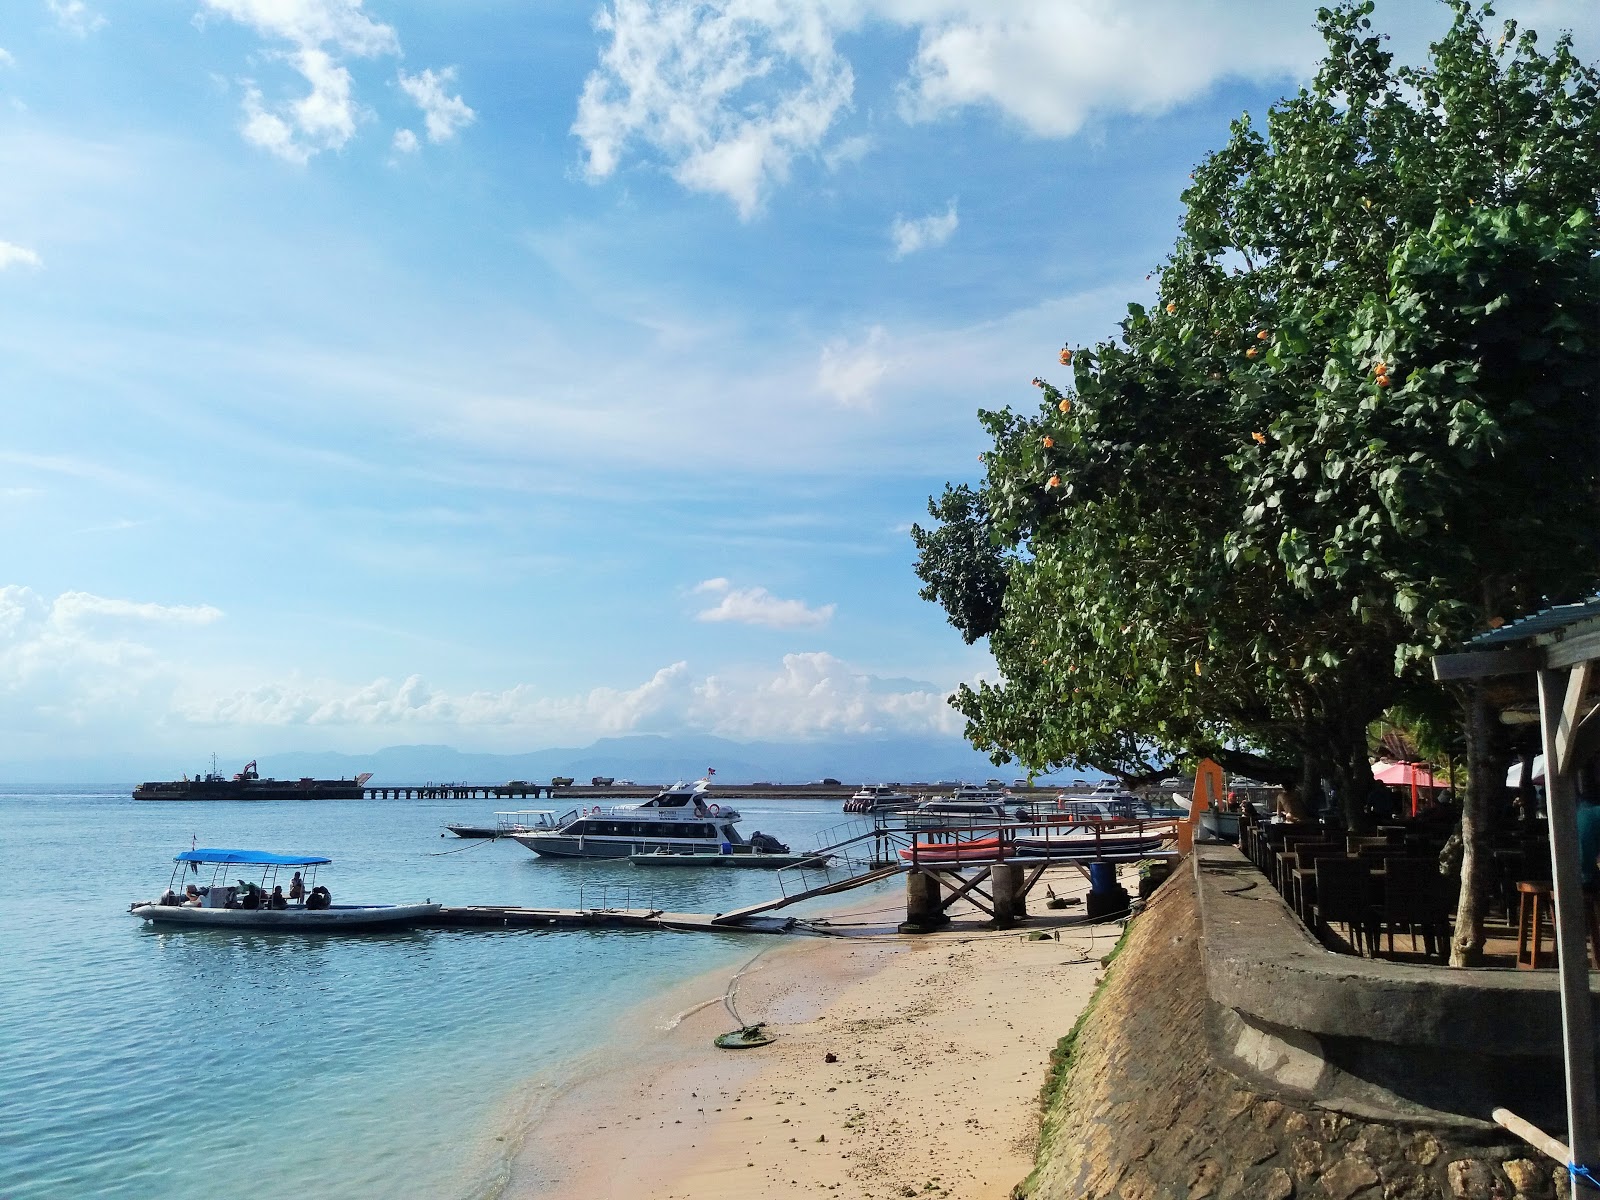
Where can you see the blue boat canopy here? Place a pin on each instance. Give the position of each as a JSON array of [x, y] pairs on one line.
[[252, 858]]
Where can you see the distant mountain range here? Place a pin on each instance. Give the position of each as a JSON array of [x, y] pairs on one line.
[[644, 758]]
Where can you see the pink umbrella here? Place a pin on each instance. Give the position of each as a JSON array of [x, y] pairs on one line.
[[1406, 774]]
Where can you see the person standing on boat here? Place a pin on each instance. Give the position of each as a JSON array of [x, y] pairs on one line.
[[297, 889]]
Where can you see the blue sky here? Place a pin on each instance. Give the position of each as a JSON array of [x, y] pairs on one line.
[[509, 375]]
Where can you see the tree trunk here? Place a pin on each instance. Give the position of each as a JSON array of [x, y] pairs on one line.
[[1466, 948]]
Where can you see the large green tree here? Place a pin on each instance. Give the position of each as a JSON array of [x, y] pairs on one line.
[[1359, 423]]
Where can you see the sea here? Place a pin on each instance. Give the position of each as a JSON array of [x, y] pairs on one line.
[[137, 1063]]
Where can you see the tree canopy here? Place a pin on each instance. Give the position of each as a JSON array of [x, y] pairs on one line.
[[1360, 421]]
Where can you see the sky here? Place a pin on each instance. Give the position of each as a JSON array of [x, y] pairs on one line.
[[509, 375]]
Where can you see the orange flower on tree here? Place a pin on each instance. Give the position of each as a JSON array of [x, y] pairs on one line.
[[1066, 356], [1172, 307], [1055, 482], [1260, 438], [1263, 335], [1252, 352], [1065, 405], [1049, 441]]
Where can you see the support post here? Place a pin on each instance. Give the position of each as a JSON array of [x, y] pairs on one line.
[[1005, 878], [1556, 691], [924, 913]]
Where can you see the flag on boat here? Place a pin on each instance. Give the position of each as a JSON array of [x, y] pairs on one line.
[[710, 771]]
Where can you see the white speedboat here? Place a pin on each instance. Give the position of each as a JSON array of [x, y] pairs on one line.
[[681, 819], [259, 902], [879, 797]]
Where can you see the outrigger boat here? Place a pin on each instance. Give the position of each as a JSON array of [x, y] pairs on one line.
[[262, 905]]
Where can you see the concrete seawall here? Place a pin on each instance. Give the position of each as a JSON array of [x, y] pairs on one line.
[[1229, 1055]]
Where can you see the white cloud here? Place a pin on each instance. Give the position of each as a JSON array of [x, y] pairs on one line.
[[320, 33], [11, 255], [74, 609], [757, 606], [809, 695], [76, 17], [851, 374], [82, 661], [923, 232], [405, 141], [7, 59], [1050, 66], [443, 114], [725, 93]]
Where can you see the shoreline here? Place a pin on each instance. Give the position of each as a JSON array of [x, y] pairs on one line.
[[940, 1044]]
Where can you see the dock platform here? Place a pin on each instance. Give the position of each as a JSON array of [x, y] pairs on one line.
[[500, 916]]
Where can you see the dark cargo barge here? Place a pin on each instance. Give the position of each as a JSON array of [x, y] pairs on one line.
[[248, 785]]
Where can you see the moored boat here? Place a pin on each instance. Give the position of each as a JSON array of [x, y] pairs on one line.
[[681, 819], [248, 785], [259, 902], [879, 797]]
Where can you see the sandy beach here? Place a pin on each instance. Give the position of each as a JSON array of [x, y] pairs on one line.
[[902, 1066]]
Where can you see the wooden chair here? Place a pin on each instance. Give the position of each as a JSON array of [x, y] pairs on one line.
[[1533, 911], [1302, 881], [1416, 897], [1344, 895]]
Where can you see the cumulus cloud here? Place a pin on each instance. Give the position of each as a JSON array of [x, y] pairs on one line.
[[13, 255], [443, 114], [808, 695], [923, 232], [79, 659], [1050, 65], [319, 37], [757, 606], [76, 17], [7, 59], [850, 373], [405, 142], [726, 93]]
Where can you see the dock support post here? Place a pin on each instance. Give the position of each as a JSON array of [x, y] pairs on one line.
[[1010, 899], [924, 913]]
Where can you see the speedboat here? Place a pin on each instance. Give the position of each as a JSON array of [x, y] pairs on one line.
[[680, 819], [258, 902], [879, 797]]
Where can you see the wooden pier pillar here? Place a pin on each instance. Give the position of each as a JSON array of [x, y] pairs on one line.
[[1010, 900], [924, 909]]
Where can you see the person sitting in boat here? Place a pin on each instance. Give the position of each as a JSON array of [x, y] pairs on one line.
[[700, 808], [319, 897], [277, 899], [191, 897], [249, 895], [297, 889]]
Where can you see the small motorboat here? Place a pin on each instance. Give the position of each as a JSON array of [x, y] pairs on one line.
[[259, 902]]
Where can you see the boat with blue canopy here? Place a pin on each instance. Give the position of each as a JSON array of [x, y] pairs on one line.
[[260, 898]]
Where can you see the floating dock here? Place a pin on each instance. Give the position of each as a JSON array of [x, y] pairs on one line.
[[500, 916]]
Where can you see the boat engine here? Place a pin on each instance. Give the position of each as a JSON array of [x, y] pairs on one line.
[[765, 843]]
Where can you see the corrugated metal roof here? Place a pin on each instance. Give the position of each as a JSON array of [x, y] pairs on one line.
[[1546, 620]]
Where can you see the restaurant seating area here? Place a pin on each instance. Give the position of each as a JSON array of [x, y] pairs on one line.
[[1384, 895]]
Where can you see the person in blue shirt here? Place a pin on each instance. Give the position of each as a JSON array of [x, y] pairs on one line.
[[1588, 830]]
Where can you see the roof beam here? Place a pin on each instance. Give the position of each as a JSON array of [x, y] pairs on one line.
[[1487, 664], [1571, 651]]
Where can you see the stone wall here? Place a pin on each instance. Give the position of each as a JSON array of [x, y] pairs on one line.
[[1148, 1111]]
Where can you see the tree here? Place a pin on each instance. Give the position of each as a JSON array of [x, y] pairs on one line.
[[1359, 423]]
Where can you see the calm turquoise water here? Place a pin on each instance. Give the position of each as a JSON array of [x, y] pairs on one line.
[[136, 1063]]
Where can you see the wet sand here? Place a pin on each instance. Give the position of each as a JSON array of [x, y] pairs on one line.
[[939, 1046]]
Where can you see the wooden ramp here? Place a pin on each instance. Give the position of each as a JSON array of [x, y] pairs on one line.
[[739, 916]]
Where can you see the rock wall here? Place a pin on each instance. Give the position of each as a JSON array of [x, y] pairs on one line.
[[1148, 1112]]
